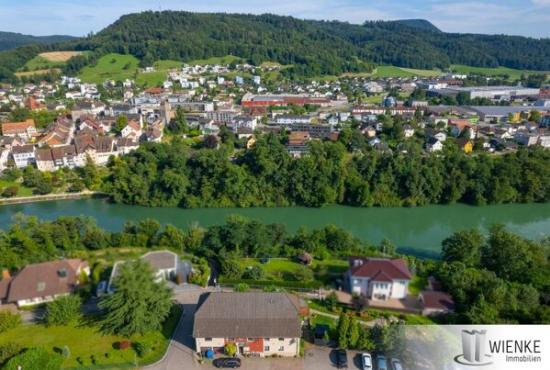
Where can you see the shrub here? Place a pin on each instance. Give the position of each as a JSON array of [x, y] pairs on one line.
[[230, 349], [331, 300], [9, 321], [303, 274], [9, 350], [143, 349], [10, 191], [124, 345], [232, 269], [94, 359], [256, 272], [107, 355], [242, 288], [63, 310], [35, 358]]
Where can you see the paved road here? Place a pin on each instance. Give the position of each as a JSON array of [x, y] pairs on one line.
[[180, 353]]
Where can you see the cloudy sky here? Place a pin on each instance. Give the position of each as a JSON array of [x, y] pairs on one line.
[[78, 17]]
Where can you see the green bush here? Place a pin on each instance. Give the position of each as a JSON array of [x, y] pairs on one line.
[[9, 350], [10, 191], [35, 358], [242, 288], [255, 272], [143, 349], [9, 321], [63, 310]]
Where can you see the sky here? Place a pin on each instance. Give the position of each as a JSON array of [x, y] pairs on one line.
[[79, 17]]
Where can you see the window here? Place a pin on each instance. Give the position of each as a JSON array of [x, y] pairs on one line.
[[281, 348], [250, 339], [208, 339], [230, 339], [41, 286], [281, 339], [267, 339], [266, 349]]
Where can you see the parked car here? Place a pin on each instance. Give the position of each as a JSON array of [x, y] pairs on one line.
[[396, 364], [381, 363], [366, 361], [227, 363], [342, 359]]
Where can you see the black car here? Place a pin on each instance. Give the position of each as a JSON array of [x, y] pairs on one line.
[[227, 363], [342, 359]]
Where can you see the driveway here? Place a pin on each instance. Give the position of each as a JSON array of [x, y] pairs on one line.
[[324, 358], [180, 354]]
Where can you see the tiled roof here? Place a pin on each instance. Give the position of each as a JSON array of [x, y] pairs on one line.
[[437, 300], [17, 127], [161, 260], [247, 315], [382, 268], [43, 279]]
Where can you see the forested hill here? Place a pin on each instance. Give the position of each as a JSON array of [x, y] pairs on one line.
[[418, 23], [311, 47], [10, 40]]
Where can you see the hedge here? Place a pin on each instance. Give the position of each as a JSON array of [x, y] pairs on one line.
[[264, 283]]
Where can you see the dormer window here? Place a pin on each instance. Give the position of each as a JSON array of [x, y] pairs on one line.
[[41, 286], [62, 273]]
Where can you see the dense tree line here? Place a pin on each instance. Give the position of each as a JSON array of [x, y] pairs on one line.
[[10, 40], [502, 279], [312, 48], [345, 172]]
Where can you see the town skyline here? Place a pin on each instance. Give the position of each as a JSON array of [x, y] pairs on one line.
[[78, 18]]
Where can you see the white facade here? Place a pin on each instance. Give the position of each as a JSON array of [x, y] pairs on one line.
[[379, 290], [435, 147], [287, 347], [23, 159]]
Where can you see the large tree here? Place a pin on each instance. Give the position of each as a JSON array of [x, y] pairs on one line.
[[139, 303], [463, 246]]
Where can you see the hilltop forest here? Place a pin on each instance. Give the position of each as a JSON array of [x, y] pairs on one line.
[[309, 48]]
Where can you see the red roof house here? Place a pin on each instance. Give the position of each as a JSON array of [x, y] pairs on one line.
[[379, 278]]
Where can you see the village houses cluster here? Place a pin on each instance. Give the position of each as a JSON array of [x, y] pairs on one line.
[[249, 106]]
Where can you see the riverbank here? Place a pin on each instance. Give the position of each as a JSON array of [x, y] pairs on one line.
[[53, 197], [418, 231]]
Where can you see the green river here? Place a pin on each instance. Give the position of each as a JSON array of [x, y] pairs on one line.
[[414, 230]]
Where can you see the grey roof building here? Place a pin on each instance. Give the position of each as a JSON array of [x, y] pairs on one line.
[[248, 315]]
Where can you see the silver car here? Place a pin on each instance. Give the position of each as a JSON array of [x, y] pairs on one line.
[[396, 364], [366, 361]]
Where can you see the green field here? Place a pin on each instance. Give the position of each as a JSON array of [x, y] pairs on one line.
[[84, 340], [38, 63], [107, 69], [215, 60], [513, 73]]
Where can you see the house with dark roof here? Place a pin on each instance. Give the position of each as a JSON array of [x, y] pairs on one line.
[[436, 303], [163, 263], [379, 278], [43, 282], [259, 324]]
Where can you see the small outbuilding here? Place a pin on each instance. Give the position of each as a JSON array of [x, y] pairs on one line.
[[305, 259]]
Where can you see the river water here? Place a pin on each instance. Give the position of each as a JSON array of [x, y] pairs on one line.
[[414, 230]]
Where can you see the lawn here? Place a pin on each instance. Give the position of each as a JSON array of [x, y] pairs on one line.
[[23, 190], [216, 60], [276, 268], [152, 79], [513, 73], [111, 66], [417, 284], [166, 65], [84, 341]]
